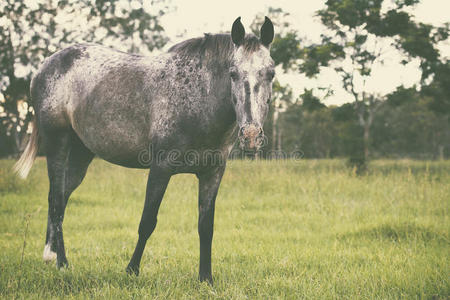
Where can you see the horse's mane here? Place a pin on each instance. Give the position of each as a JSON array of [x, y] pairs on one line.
[[214, 46]]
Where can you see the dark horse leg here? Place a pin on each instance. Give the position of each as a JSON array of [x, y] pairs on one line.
[[156, 186], [67, 162], [208, 186]]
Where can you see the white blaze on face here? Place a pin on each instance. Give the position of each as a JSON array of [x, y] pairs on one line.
[[252, 68]]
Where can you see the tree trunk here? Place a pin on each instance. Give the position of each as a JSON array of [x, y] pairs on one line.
[[441, 152], [274, 129], [366, 140], [279, 141]]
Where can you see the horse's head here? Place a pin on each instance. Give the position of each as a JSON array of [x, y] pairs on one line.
[[251, 72]]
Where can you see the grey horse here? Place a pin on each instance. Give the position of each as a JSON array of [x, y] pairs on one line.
[[178, 112]]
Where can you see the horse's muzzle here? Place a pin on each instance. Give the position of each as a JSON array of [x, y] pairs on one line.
[[251, 137]]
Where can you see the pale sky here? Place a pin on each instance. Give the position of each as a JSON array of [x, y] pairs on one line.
[[194, 17]]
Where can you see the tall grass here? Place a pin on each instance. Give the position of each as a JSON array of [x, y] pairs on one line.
[[283, 229]]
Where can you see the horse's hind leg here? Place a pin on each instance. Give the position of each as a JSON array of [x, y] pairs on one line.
[[67, 162]]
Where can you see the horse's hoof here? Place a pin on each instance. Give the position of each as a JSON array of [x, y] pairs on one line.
[[132, 270], [207, 278], [63, 264], [48, 255]]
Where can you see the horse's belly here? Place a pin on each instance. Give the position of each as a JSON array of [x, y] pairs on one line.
[[119, 149], [113, 135]]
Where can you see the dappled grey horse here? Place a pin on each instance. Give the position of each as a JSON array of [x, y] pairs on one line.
[[178, 112]]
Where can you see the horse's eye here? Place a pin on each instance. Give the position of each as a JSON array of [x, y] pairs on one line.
[[270, 75], [234, 75]]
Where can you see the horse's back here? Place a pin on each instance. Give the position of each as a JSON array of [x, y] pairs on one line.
[[66, 76], [98, 92]]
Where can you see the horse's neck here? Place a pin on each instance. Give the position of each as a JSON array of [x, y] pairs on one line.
[[209, 81], [223, 113], [220, 92]]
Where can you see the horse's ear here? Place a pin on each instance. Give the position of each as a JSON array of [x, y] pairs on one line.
[[267, 33], [237, 32]]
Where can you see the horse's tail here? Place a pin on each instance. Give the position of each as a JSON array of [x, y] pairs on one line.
[[25, 162]]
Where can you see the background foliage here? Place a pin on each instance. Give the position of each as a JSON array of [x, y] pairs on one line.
[[410, 122]]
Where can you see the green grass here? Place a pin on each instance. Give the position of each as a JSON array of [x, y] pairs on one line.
[[307, 229]]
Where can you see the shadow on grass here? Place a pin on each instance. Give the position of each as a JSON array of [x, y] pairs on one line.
[[397, 233]]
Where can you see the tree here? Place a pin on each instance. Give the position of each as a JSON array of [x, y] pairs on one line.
[[22, 44], [281, 97], [439, 89], [358, 35], [308, 126], [408, 125], [32, 30]]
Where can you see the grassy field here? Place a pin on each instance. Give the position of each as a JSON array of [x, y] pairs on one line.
[[307, 229]]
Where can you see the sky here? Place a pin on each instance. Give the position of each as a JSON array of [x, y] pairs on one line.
[[194, 17]]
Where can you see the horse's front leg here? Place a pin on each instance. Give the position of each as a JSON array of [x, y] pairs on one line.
[[156, 186], [208, 186]]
